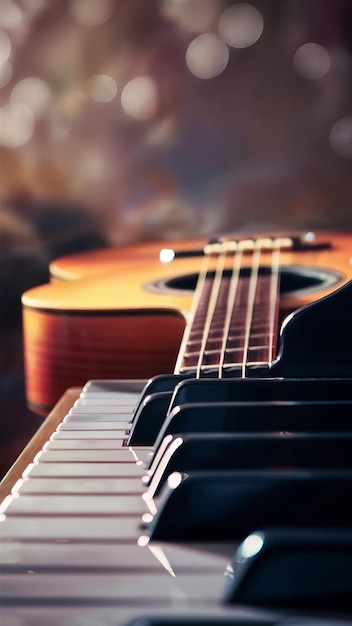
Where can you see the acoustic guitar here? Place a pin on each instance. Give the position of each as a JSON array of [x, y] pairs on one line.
[[266, 306]]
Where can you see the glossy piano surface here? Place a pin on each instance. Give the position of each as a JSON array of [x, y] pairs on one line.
[[75, 532]]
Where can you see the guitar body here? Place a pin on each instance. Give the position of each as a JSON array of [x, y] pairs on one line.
[[121, 313]]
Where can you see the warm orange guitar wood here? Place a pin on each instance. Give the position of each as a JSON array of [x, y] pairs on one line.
[[95, 319]]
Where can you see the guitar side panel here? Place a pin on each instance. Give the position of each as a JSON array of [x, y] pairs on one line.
[[61, 351]]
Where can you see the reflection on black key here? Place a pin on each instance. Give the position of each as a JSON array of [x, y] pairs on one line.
[[261, 389], [293, 568], [284, 450], [227, 505], [284, 415]]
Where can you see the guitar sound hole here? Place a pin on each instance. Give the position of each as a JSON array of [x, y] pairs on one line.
[[295, 281]]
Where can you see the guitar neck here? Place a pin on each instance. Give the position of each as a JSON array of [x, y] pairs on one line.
[[234, 318]]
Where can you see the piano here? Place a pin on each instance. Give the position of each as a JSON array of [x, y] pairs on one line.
[[193, 498]]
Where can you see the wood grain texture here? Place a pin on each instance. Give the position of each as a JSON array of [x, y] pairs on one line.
[[63, 351]]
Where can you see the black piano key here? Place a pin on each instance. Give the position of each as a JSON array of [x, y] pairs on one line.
[[261, 389], [212, 451], [276, 416], [159, 384], [148, 419], [153, 409], [227, 505], [295, 568]]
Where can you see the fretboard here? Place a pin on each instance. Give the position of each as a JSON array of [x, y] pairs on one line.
[[234, 319]]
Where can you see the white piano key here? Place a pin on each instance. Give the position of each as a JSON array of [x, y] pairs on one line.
[[19, 556], [94, 397], [89, 434], [85, 470], [70, 504], [97, 409], [98, 417], [121, 455], [124, 399], [82, 444], [126, 388], [103, 401], [94, 425], [80, 486], [139, 453], [70, 529], [100, 578], [116, 588], [59, 614]]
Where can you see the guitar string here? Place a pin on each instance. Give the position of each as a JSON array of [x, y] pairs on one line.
[[237, 251], [220, 252], [252, 289], [274, 299], [197, 297], [234, 283], [275, 248]]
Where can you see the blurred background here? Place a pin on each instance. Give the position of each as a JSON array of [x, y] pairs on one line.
[[125, 121]]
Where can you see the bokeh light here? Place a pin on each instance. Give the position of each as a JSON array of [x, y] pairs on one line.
[[17, 125], [341, 137], [5, 47], [32, 92], [10, 14], [102, 88], [311, 61], [241, 25], [207, 56], [5, 73], [139, 98]]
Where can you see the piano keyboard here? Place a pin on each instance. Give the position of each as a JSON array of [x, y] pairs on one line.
[[80, 546]]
